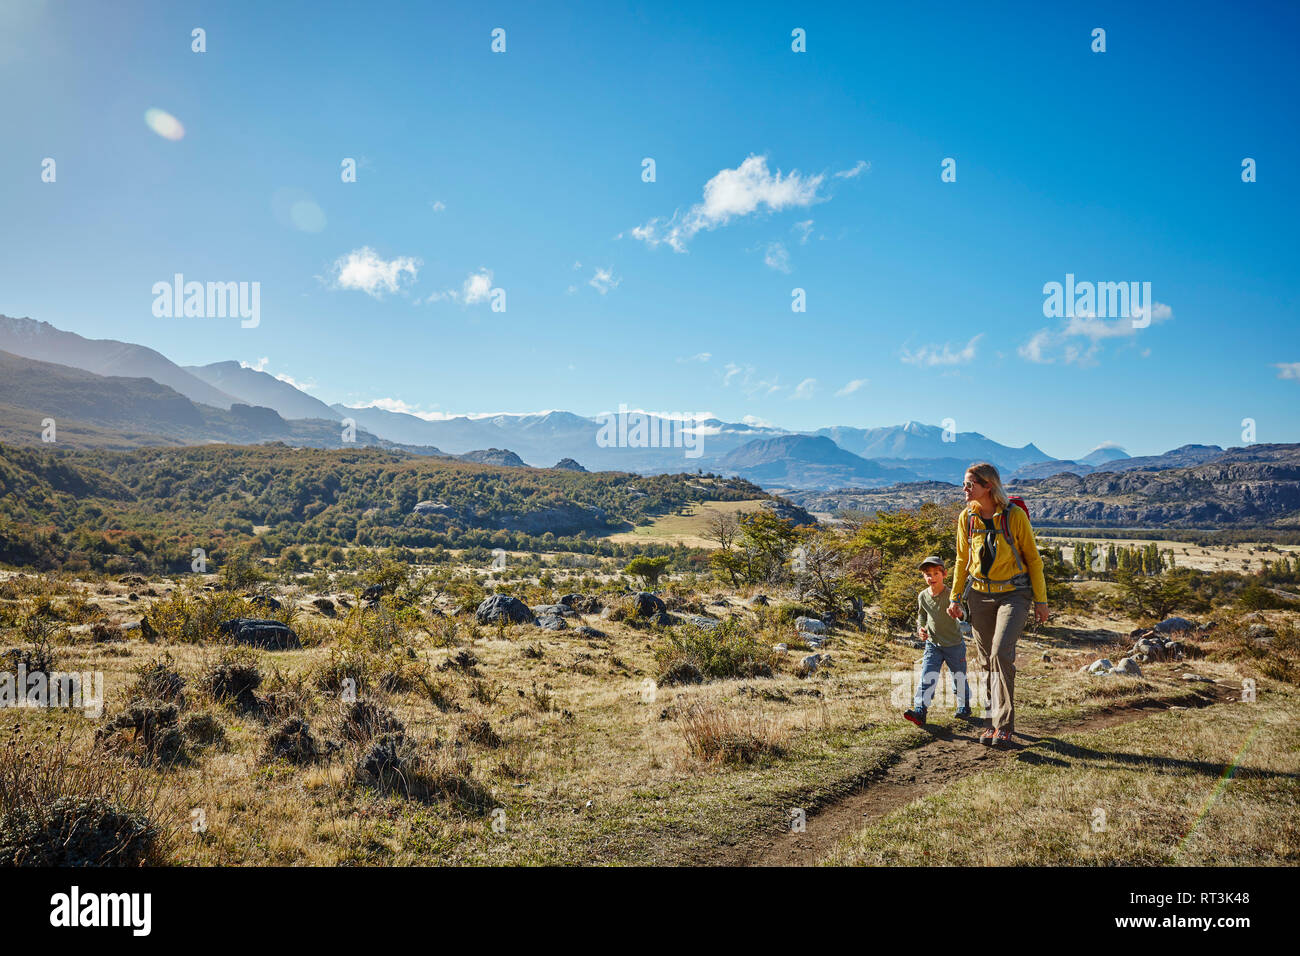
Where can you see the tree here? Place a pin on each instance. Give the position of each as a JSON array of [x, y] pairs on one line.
[[648, 569], [722, 527]]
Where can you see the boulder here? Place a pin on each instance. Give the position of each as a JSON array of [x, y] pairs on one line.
[[760, 600], [264, 602], [1175, 625], [553, 610], [590, 632], [809, 625], [325, 606], [1102, 666], [255, 632], [551, 622], [1198, 678], [503, 607], [701, 622], [649, 605], [811, 662], [1127, 665], [1260, 632], [581, 603], [780, 648]]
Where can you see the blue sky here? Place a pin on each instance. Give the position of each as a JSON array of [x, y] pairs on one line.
[[522, 171]]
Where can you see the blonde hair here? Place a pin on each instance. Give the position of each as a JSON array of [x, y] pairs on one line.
[[990, 477]]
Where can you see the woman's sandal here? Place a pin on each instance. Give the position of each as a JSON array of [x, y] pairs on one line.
[[986, 738], [1002, 738]]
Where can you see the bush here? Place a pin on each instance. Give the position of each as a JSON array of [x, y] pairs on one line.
[[234, 677], [58, 809], [158, 680], [728, 650], [717, 735], [146, 731]]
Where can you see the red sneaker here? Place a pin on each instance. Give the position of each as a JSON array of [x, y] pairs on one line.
[[915, 716], [1002, 738]]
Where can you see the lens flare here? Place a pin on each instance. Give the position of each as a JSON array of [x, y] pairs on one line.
[[164, 124]]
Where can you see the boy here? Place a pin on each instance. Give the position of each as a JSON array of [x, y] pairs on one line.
[[943, 644]]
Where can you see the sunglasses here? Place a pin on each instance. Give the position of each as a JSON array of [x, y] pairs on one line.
[[972, 484]]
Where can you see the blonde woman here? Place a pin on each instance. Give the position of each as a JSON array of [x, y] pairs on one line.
[[1000, 576]]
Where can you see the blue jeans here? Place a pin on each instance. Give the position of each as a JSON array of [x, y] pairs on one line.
[[932, 661]]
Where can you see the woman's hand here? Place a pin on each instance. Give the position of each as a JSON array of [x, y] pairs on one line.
[[1042, 613], [954, 611]]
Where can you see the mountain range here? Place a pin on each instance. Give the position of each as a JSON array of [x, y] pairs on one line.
[[108, 393]]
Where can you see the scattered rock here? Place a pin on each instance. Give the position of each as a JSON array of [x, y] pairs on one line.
[[264, 602], [760, 600], [1103, 666], [503, 607], [1198, 677], [781, 648], [325, 606], [809, 625], [701, 622], [255, 632], [1175, 625], [553, 610], [1127, 665], [581, 603], [590, 632], [551, 622], [648, 605], [1260, 632]]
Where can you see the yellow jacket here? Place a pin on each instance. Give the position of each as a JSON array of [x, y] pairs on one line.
[[1004, 561]]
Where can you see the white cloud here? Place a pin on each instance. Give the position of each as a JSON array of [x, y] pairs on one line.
[[776, 257], [364, 270], [1288, 370], [1066, 343], [476, 288], [260, 366], [930, 355], [804, 229], [438, 205], [756, 422], [604, 280], [746, 378], [852, 386], [858, 168], [804, 389], [733, 193], [697, 357]]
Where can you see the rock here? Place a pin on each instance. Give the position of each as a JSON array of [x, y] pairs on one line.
[[664, 619], [809, 625], [1198, 677], [568, 464], [264, 602], [701, 622], [648, 605], [255, 632], [1175, 625], [431, 508], [1207, 626], [551, 622], [811, 661], [1127, 665], [1260, 632], [581, 603], [590, 632], [553, 610], [1102, 666], [720, 602], [681, 672], [760, 600], [503, 607], [325, 606], [781, 648]]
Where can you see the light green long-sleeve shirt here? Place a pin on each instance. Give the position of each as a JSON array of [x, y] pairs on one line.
[[932, 614]]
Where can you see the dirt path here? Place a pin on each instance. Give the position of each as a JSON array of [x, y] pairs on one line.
[[951, 754]]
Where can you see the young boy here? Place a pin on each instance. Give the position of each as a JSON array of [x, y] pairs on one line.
[[943, 644]]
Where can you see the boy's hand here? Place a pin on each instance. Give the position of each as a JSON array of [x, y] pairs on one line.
[[954, 611], [920, 632]]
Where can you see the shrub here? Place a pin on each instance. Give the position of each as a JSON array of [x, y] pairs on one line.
[[158, 680], [293, 741], [146, 731], [717, 735], [234, 677], [728, 650], [60, 809]]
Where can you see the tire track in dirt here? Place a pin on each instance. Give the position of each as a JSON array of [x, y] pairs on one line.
[[952, 753]]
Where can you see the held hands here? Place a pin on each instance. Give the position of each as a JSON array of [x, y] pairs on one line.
[[1040, 610], [954, 611]]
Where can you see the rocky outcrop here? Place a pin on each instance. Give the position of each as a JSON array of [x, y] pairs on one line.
[[504, 608]]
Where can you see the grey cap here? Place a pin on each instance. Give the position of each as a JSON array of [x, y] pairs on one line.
[[932, 559]]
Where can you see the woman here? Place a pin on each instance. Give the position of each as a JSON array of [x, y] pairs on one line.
[[1000, 576]]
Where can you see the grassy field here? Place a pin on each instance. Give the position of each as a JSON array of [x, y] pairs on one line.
[[540, 747], [688, 528], [1219, 557]]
